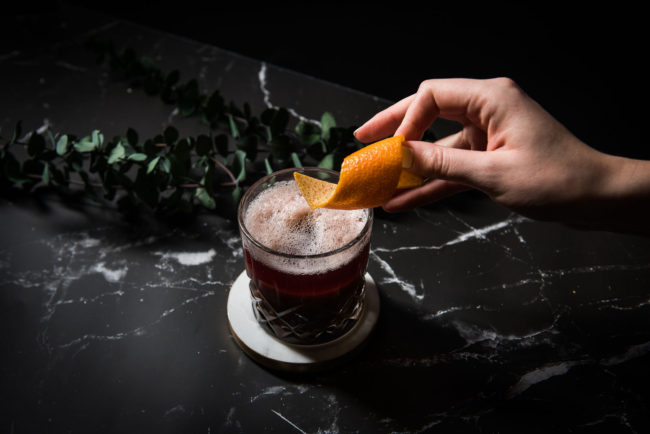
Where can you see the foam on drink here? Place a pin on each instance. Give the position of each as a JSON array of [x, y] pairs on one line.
[[280, 219]]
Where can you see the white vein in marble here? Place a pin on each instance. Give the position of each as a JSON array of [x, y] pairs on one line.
[[261, 75]]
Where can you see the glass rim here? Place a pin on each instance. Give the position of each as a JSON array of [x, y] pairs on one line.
[[251, 190]]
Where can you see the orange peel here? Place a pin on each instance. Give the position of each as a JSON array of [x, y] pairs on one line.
[[369, 178]]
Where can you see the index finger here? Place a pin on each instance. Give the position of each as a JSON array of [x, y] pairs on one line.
[[453, 99], [384, 123]]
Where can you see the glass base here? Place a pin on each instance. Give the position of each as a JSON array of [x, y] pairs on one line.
[[274, 353], [309, 322]]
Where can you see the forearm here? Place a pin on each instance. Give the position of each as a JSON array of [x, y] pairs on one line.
[[621, 200]]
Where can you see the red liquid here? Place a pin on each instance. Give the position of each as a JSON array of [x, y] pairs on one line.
[[308, 308]]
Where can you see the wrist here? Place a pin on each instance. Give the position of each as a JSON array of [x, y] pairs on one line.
[[620, 197]]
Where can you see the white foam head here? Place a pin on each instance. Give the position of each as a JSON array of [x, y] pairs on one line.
[[280, 219]]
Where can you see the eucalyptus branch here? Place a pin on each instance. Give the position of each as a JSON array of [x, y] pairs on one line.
[[166, 172]]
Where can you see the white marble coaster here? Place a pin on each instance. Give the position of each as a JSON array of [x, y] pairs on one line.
[[274, 353]]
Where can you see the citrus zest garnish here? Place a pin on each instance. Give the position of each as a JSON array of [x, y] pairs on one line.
[[369, 177]]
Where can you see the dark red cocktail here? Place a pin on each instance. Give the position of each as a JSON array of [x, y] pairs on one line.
[[306, 267]]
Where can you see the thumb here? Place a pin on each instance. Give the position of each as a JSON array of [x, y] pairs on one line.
[[463, 166]]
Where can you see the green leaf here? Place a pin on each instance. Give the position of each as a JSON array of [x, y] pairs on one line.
[[165, 165], [239, 165], [152, 164], [137, 156], [236, 194], [89, 143], [62, 145], [117, 153], [327, 162], [326, 123], [97, 137], [296, 160], [234, 131], [267, 166], [45, 176], [204, 197]]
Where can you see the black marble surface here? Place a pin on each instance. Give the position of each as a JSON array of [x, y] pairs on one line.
[[490, 322]]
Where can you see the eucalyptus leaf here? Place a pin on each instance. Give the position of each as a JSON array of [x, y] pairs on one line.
[[165, 164], [295, 160], [326, 123], [234, 130], [45, 176], [97, 138], [62, 144], [148, 171], [239, 165], [137, 156], [87, 144], [327, 162], [117, 153], [152, 164], [204, 198], [236, 194]]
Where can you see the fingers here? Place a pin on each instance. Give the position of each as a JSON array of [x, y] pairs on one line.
[[384, 123], [460, 100], [430, 192], [450, 169], [452, 163], [419, 115]]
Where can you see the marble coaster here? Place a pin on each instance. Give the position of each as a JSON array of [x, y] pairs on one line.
[[273, 353]]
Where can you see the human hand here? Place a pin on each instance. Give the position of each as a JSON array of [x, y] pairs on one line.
[[511, 149]]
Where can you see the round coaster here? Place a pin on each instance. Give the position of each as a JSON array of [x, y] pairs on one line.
[[273, 353]]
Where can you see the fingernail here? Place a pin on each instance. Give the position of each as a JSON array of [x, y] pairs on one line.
[[407, 157]]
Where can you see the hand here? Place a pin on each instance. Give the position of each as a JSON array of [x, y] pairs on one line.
[[515, 152]]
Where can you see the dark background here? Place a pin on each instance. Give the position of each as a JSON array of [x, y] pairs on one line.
[[586, 66]]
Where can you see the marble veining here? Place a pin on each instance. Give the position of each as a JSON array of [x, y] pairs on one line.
[[490, 321], [262, 76]]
